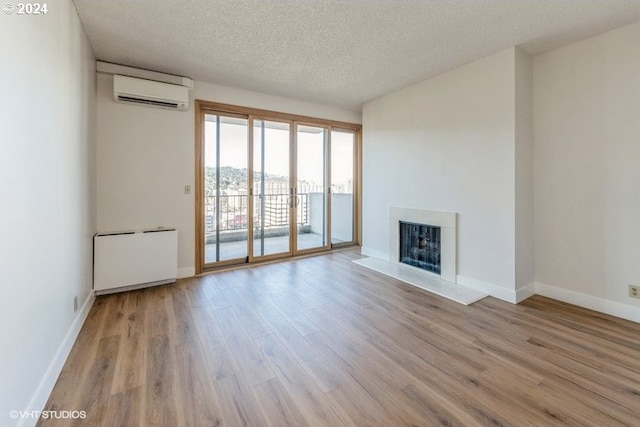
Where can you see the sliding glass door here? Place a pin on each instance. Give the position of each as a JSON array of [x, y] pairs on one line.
[[311, 195], [271, 186], [225, 189], [343, 180], [272, 195]]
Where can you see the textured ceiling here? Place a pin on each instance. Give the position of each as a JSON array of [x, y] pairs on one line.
[[337, 52]]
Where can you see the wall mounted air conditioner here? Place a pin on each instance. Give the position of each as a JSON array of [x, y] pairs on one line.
[[130, 90]]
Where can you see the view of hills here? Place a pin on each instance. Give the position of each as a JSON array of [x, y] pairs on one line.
[[235, 179]]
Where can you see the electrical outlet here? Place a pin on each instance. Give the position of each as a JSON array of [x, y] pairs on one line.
[[75, 303], [187, 189], [634, 291]]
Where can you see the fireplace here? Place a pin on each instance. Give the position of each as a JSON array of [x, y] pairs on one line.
[[440, 252], [420, 246], [422, 252]]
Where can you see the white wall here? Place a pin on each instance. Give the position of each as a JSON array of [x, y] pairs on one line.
[[587, 179], [448, 144], [316, 214], [47, 188], [146, 156], [525, 265], [342, 217]]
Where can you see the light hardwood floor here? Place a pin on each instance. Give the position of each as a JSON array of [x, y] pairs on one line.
[[324, 342]]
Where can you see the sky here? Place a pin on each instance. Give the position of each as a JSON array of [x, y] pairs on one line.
[[233, 149]]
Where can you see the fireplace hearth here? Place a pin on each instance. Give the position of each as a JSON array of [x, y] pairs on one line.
[[420, 246]]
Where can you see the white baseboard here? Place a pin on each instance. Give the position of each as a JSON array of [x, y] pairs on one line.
[[40, 397], [186, 272], [496, 291], [134, 287], [525, 292], [374, 253], [614, 308]]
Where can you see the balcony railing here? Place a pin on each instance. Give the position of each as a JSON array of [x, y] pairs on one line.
[[270, 210]]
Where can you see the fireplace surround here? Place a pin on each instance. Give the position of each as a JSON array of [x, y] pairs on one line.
[[444, 284]]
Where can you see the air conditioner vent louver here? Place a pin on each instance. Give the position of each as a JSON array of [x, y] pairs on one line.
[[150, 93], [171, 105]]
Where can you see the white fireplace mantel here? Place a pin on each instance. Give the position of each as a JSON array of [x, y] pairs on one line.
[[447, 221]]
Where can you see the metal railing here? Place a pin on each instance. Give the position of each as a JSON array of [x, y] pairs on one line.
[[234, 211]]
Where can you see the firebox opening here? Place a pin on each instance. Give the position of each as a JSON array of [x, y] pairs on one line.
[[420, 246]]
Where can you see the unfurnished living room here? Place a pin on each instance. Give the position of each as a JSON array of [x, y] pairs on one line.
[[320, 213]]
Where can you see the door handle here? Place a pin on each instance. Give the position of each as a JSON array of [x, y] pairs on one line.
[[293, 200]]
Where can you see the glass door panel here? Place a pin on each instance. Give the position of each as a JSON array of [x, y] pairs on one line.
[[225, 188], [343, 145], [272, 195], [311, 199]]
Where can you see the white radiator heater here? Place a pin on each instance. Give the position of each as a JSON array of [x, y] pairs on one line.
[[134, 259]]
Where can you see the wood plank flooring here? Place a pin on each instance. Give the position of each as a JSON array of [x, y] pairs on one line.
[[324, 342]]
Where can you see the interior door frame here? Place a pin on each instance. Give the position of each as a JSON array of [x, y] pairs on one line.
[[207, 107]]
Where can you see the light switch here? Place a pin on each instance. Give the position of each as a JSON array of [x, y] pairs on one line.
[[187, 189]]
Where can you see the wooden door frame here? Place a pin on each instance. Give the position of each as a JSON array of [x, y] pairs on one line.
[[203, 107], [357, 187]]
